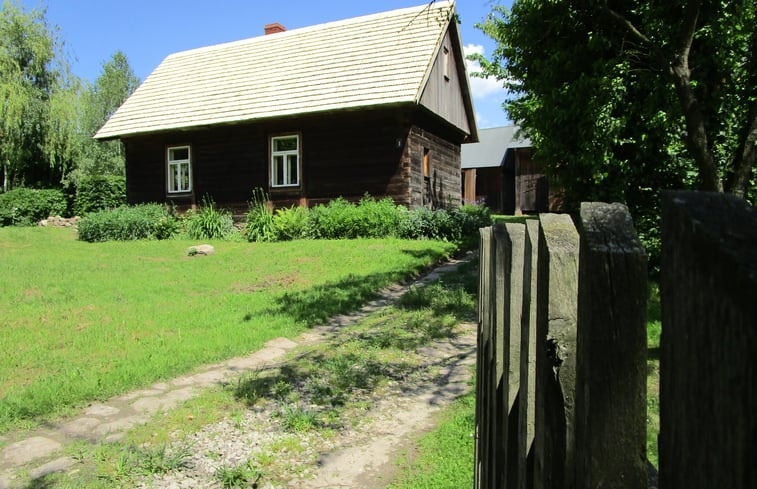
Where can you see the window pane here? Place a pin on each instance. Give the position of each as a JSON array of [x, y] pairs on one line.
[[292, 169], [178, 154], [184, 177], [278, 170], [285, 144]]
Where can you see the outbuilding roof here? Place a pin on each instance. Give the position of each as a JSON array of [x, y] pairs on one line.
[[492, 147], [374, 60]]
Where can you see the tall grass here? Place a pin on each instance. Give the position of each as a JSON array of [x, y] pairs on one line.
[[86, 321]]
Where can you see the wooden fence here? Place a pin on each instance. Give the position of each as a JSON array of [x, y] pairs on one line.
[[562, 357]]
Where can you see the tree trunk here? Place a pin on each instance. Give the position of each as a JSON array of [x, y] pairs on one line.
[[745, 157], [5, 176]]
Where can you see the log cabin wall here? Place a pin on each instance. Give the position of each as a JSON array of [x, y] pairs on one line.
[[434, 163], [347, 155]]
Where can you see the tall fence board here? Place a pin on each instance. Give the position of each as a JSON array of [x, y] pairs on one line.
[[561, 401], [708, 350], [535, 327]]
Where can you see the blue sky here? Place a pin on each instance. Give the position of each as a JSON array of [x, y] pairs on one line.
[[149, 30]]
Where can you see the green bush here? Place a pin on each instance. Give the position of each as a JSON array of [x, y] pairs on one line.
[[290, 223], [337, 220], [27, 206], [127, 223], [377, 218], [470, 218], [259, 219], [209, 222], [99, 192]]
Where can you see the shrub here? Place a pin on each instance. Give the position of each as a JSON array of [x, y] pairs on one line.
[[377, 219], [126, 223], [333, 221], [259, 219], [26, 206], [209, 222], [99, 192], [290, 223], [470, 218]]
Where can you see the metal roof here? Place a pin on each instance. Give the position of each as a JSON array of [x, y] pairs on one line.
[[492, 147], [374, 60]]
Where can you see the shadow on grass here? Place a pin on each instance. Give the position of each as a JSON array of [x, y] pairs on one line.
[[316, 305]]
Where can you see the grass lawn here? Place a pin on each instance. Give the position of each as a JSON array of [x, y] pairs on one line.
[[87, 321]]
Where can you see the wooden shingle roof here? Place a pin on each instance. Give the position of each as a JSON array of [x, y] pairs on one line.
[[366, 61]]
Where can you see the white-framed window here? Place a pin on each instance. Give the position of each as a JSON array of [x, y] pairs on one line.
[[285, 161], [179, 160]]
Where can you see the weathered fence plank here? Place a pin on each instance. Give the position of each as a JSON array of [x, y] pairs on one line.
[[557, 299], [514, 282], [527, 393], [708, 363], [611, 351]]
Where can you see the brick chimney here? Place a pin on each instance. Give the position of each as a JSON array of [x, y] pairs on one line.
[[274, 28]]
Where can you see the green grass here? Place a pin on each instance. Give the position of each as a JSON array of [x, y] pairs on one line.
[[445, 455], [88, 321], [319, 390]]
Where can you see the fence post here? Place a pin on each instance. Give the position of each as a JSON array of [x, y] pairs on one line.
[[611, 353], [518, 295], [557, 298], [500, 333], [527, 393], [708, 360], [482, 359]]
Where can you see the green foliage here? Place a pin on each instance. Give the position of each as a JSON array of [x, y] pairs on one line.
[[125, 223], [240, 476], [423, 223], [296, 418], [290, 223], [99, 192], [209, 222], [161, 459], [259, 218], [470, 218], [605, 105], [336, 220], [26, 206]]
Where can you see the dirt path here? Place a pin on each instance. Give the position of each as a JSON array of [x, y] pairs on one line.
[[360, 456]]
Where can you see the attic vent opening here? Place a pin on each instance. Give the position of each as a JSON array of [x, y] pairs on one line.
[[274, 28]]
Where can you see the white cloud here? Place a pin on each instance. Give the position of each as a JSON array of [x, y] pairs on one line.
[[480, 87]]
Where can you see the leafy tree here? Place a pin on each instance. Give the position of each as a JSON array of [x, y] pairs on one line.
[[623, 98], [27, 77], [101, 100]]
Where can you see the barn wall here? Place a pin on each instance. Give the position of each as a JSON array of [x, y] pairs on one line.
[[442, 187]]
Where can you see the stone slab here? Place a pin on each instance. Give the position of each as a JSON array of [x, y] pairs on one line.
[[101, 410], [25, 451], [58, 465], [80, 427], [119, 425], [151, 405]]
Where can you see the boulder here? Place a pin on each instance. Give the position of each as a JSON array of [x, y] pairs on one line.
[[203, 249]]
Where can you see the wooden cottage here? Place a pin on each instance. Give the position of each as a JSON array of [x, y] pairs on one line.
[[499, 171], [378, 104]]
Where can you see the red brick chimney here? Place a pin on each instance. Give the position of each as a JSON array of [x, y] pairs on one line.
[[274, 28]]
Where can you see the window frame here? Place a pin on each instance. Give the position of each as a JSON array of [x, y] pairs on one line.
[[171, 162], [272, 154], [445, 60]]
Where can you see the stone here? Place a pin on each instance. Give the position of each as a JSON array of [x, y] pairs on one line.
[[25, 451], [58, 465], [203, 249], [80, 427], [101, 410]]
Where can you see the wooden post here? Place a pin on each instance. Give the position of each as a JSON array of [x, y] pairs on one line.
[[482, 357], [501, 345], [611, 352], [514, 282], [708, 350], [556, 352], [527, 392]]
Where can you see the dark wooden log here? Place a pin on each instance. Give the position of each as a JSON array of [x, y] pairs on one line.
[[556, 352], [611, 352], [708, 362]]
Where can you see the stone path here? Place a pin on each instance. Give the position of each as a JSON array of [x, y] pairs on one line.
[[39, 451]]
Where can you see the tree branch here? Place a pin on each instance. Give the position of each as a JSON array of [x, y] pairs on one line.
[[746, 155], [627, 24]]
